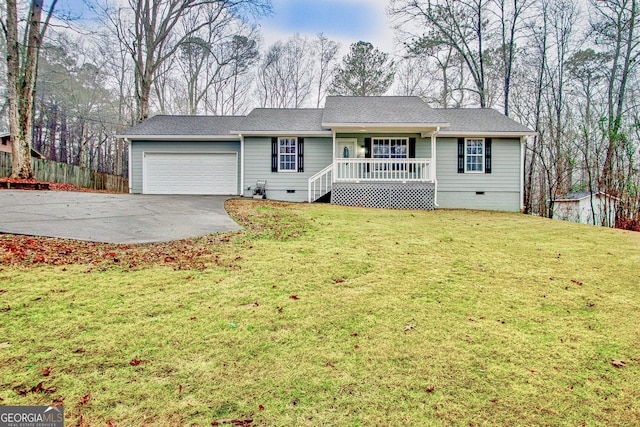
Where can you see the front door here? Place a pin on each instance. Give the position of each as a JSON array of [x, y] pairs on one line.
[[346, 148]]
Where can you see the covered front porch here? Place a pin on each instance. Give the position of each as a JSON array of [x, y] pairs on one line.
[[385, 168], [401, 183]]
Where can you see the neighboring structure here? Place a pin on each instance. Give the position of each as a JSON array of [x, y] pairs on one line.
[[5, 146], [362, 151], [586, 208]]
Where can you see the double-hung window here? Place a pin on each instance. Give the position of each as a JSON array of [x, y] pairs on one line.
[[474, 155], [390, 148], [287, 154]]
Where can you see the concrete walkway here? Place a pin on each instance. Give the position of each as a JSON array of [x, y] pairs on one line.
[[112, 218]]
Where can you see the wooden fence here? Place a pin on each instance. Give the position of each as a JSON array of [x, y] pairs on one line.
[[49, 171]]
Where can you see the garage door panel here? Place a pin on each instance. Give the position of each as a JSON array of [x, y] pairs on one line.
[[192, 173]]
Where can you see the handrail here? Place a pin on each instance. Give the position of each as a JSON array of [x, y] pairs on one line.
[[320, 183]]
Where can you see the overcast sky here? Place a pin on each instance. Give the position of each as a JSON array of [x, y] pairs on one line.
[[345, 21]]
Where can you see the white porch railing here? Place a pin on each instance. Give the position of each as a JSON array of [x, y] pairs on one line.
[[320, 183], [403, 170]]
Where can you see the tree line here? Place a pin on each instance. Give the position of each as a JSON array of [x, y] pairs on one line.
[[566, 68]]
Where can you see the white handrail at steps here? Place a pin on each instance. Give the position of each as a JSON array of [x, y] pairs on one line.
[[320, 183]]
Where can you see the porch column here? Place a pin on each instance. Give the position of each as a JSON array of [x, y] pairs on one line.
[[333, 157], [432, 169], [523, 146], [241, 165]]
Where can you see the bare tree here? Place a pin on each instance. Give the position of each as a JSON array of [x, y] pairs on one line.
[[459, 25], [286, 74], [153, 36], [510, 13], [615, 24], [22, 73], [327, 52]]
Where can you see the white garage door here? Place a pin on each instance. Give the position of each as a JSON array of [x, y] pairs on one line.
[[193, 173]]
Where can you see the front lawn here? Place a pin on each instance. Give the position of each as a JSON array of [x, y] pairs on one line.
[[324, 315]]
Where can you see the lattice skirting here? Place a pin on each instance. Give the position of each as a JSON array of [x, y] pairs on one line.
[[414, 195]]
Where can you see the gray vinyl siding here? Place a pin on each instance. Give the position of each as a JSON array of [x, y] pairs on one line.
[[257, 151], [140, 147], [501, 187], [423, 145]]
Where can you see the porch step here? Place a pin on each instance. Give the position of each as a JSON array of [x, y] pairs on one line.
[[394, 195]]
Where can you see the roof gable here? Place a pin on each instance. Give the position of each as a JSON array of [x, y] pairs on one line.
[[379, 110]]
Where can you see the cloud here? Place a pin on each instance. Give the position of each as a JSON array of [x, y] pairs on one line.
[[346, 21]]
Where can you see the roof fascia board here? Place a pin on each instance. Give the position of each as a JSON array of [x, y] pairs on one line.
[[340, 126], [229, 137], [487, 134], [284, 133]]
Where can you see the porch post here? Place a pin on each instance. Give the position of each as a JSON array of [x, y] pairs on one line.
[[523, 146], [432, 169], [241, 165], [333, 157]]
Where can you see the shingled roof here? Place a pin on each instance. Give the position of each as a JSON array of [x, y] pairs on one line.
[[406, 110], [480, 120], [187, 127], [340, 112], [282, 120]]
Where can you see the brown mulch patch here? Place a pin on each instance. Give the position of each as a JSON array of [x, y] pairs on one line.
[[55, 186]]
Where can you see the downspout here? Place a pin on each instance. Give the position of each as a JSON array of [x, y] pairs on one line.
[[241, 165], [434, 175], [128, 141], [522, 151]]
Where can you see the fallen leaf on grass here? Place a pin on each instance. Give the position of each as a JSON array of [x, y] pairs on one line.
[[110, 423], [2, 291], [260, 408], [618, 363], [4, 310], [135, 362], [243, 422], [46, 371], [294, 297], [577, 282], [409, 327], [84, 399], [430, 389], [39, 388]]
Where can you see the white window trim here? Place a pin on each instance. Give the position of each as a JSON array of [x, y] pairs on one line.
[[295, 155], [484, 149], [399, 138]]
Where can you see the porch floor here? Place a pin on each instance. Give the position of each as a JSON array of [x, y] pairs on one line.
[[394, 195]]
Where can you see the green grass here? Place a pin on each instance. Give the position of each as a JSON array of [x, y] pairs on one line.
[[517, 320]]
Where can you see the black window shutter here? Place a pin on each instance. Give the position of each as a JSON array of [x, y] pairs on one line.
[[412, 148], [367, 148], [487, 155], [274, 154], [460, 155], [300, 154]]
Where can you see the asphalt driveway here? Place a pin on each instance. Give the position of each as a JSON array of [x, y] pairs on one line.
[[112, 218]]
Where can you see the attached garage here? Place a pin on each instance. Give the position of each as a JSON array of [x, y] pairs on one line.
[[190, 173], [185, 155]]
